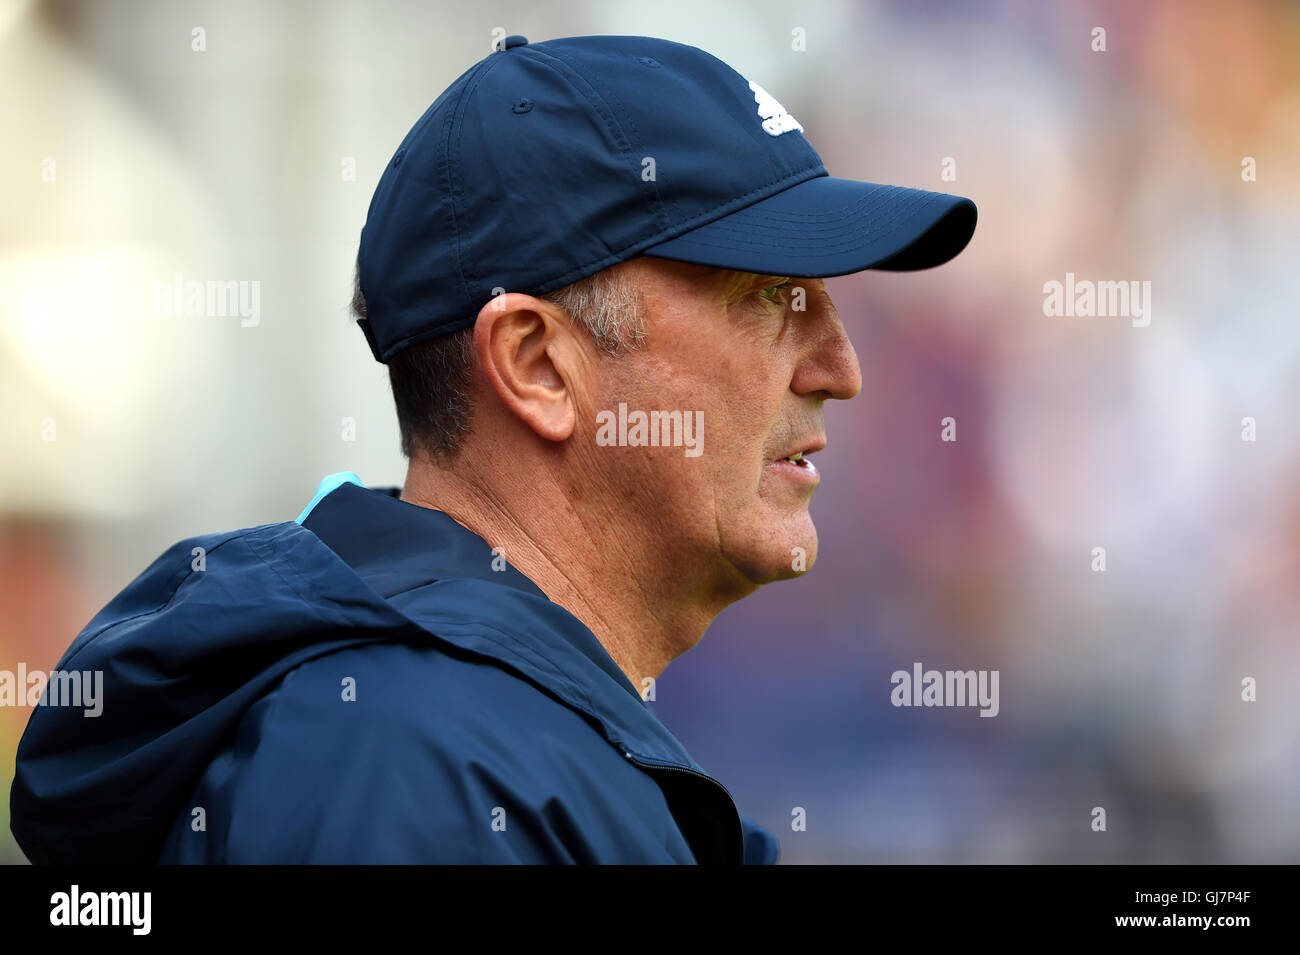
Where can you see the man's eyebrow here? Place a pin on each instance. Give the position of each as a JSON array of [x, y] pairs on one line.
[[738, 283]]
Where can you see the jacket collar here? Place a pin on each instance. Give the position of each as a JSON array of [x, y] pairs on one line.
[[441, 576], [396, 545]]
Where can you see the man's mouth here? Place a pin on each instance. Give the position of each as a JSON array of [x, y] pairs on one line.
[[797, 462]]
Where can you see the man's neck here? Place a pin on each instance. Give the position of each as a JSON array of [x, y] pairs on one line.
[[643, 608]]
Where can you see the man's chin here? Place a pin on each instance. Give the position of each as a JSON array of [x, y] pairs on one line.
[[782, 559]]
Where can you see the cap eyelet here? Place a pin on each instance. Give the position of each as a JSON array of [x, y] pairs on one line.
[[649, 61], [397, 160], [523, 106]]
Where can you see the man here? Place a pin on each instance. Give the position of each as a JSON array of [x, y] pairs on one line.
[[594, 269]]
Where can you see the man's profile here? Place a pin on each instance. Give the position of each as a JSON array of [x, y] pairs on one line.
[[594, 270]]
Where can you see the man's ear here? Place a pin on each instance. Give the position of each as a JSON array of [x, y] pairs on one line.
[[529, 354]]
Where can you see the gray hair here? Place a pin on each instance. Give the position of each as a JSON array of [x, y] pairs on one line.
[[607, 306], [431, 379]]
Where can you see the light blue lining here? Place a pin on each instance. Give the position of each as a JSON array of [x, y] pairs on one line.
[[329, 483]]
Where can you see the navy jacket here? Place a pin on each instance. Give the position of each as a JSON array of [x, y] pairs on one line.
[[361, 685]]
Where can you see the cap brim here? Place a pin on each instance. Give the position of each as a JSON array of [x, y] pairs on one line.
[[826, 226]]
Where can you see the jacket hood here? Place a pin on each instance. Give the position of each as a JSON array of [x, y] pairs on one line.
[[218, 620]]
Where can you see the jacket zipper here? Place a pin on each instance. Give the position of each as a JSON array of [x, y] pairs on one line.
[[680, 769]]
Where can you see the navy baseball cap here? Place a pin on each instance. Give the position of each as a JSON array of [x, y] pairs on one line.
[[547, 162]]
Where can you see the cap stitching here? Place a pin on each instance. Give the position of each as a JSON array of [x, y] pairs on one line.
[[898, 210], [849, 241], [905, 213], [456, 128], [851, 210], [662, 204]]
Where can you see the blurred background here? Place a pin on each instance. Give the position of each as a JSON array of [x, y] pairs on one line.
[[131, 158]]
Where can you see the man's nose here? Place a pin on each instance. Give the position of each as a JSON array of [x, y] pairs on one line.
[[831, 363]]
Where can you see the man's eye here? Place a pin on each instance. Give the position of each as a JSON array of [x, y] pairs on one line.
[[773, 293]]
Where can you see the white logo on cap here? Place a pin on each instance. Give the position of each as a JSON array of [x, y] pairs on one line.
[[775, 119]]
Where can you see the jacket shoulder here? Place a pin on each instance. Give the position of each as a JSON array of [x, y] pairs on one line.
[[390, 752], [223, 565]]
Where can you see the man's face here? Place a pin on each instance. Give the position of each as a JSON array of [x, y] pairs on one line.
[[734, 352]]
